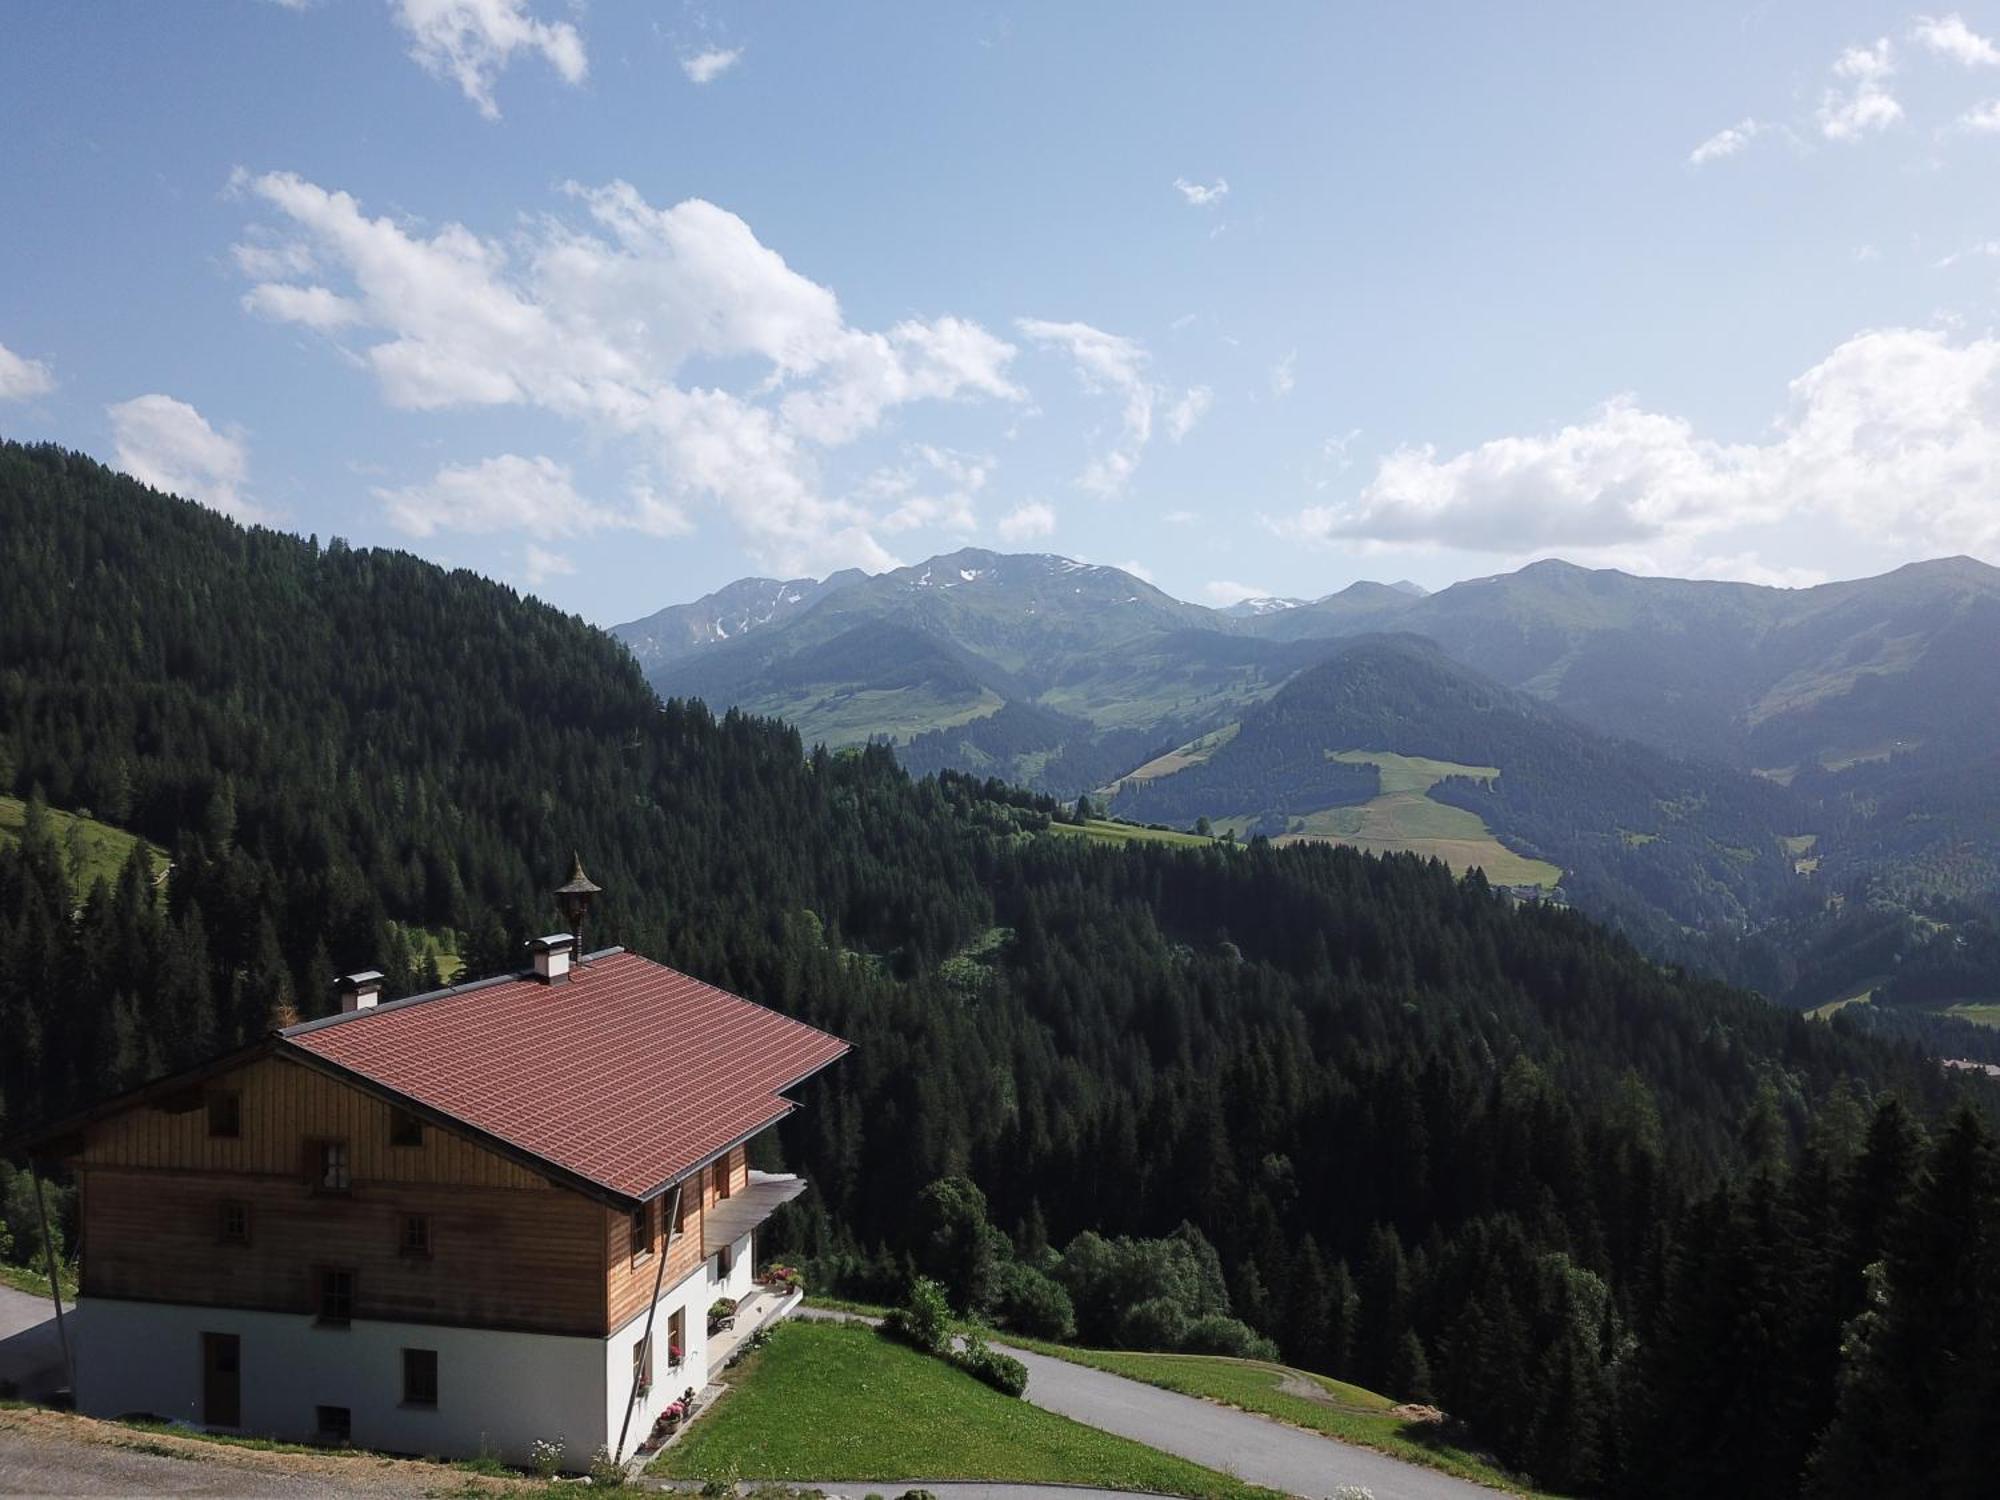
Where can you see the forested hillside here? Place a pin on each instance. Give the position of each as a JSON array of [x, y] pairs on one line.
[[1476, 1153], [1660, 844]]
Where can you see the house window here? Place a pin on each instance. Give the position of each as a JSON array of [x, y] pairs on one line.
[[420, 1377], [416, 1237], [681, 1207], [225, 1115], [336, 1296], [235, 1224], [330, 1167], [642, 1231], [642, 1365], [722, 1178], [677, 1331], [725, 1261], [405, 1129], [333, 1424]]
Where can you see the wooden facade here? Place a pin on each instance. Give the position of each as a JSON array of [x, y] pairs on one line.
[[219, 1198]]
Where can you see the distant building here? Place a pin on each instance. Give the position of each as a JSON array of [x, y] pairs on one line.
[[446, 1225]]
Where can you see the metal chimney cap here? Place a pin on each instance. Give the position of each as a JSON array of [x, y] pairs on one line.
[[360, 981]]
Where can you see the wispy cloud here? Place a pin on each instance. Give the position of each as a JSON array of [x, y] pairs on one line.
[[1226, 591], [1726, 142], [1202, 194], [708, 65], [471, 42], [22, 378], [1860, 104], [1284, 375], [1950, 37], [1190, 409], [1026, 521]]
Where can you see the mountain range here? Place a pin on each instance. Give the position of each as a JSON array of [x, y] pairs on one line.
[[1685, 756]]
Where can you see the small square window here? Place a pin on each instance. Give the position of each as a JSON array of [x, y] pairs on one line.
[[642, 1364], [235, 1222], [330, 1167], [333, 1424], [420, 1377], [336, 1296], [416, 1238], [225, 1115]]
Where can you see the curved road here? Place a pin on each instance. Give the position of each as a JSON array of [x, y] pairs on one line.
[[1254, 1448]]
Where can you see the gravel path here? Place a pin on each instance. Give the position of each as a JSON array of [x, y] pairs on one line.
[[51, 1453]]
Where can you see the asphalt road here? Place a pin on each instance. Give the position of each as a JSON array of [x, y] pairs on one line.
[[31, 1360], [1254, 1448]]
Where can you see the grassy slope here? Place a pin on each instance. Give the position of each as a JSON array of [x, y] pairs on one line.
[[105, 849], [1347, 1412], [1107, 831], [838, 1401], [1402, 817], [838, 716], [1193, 753]]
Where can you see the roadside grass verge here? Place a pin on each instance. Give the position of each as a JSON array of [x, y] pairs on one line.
[[836, 1401], [28, 1279], [1317, 1403]]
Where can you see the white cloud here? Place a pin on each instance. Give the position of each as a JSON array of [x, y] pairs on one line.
[[1982, 119], [1894, 438], [1951, 37], [22, 378], [710, 64], [1284, 375], [1190, 409], [1202, 195], [508, 493], [471, 42], [1180, 518], [313, 306], [934, 489], [1225, 592], [1026, 521], [1983, 249], [1863, 104], [1725, 142], [592, 317], [169, 445], [1107, 364], [539, 565], [1138, 570]]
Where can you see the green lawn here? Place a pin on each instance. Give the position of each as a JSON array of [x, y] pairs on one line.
[[1111, 832], [104, 848], [1299, 1397], [827, 1401]]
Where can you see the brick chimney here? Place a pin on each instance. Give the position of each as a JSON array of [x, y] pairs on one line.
[[359, 991], [552, 956]]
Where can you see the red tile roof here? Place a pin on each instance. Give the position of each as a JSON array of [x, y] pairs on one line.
[[628, 1076]]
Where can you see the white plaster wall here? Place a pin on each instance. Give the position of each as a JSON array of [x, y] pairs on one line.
[[690, 1293], [693, 1293], [497, 1392]]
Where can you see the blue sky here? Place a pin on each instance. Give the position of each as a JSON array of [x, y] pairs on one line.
[[619, 302]]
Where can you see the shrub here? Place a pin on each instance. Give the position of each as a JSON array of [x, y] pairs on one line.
[[1217, 1334], [1035, 1304], [1156, 1323], [1003, 1372], [545, 1456], [924, 1320]]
